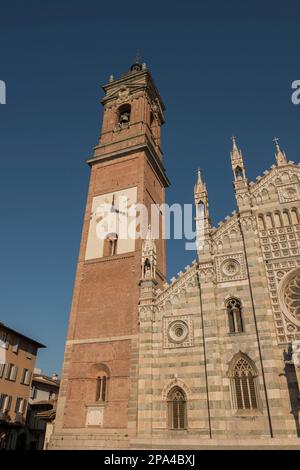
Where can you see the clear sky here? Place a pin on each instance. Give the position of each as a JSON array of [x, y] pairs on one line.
[[222, 68]]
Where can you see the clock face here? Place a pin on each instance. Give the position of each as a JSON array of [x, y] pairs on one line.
[[112, 214]]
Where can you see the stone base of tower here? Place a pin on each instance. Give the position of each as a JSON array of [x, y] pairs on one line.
[[89, 439], [115, 440]]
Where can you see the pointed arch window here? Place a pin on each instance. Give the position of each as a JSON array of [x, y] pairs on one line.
[[238, 173], [177, 415], [244, 384], [234, 313]]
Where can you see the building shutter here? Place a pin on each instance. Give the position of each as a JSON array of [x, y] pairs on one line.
[[14, 373]]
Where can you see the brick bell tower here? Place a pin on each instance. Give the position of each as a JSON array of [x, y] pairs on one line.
[[99, 380]]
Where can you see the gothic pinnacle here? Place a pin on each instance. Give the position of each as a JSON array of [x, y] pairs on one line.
[[279, 155]]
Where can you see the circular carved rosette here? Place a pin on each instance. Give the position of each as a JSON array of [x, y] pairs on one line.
[[289, 296], [178, 331]]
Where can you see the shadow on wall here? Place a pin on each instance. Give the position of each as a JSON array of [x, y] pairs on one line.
[[293, 387]]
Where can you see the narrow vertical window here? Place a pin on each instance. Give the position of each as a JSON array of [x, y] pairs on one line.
[[234, 313], [101, 388]]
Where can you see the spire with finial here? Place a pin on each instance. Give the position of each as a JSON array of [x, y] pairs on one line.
[[279, 155], [137, 66], [200, 194], [202, 219], [237, 162], [200, 186]]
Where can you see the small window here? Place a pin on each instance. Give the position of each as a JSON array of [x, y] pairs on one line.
[[25, 377], [8, 371], [177, 409], [7, 403], [234, 313], [11, 372], [101, 388], [2, 367], [110, 245], [20, 406]]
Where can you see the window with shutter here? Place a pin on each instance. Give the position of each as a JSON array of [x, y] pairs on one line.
[[14, 373], [2, 367], [2, 400], [8, 371], [17, 406], [7, 403], [22, 381], [27, 377]]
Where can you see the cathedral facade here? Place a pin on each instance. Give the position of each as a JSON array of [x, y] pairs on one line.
[[210, 359]]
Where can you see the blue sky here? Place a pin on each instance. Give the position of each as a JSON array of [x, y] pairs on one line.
[[222, 68]]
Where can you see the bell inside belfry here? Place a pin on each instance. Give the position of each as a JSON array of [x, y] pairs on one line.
[[124, 118]]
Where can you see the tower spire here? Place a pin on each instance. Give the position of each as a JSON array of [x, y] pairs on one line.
[[237, 162], [203, 223], [279, 155], [137, 66]]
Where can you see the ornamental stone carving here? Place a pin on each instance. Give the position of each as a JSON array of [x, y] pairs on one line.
[[230, 267], [289, 193], [289, 295], [123, 95], [178, 331]]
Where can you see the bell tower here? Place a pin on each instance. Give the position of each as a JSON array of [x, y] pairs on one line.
[[99, 380]]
